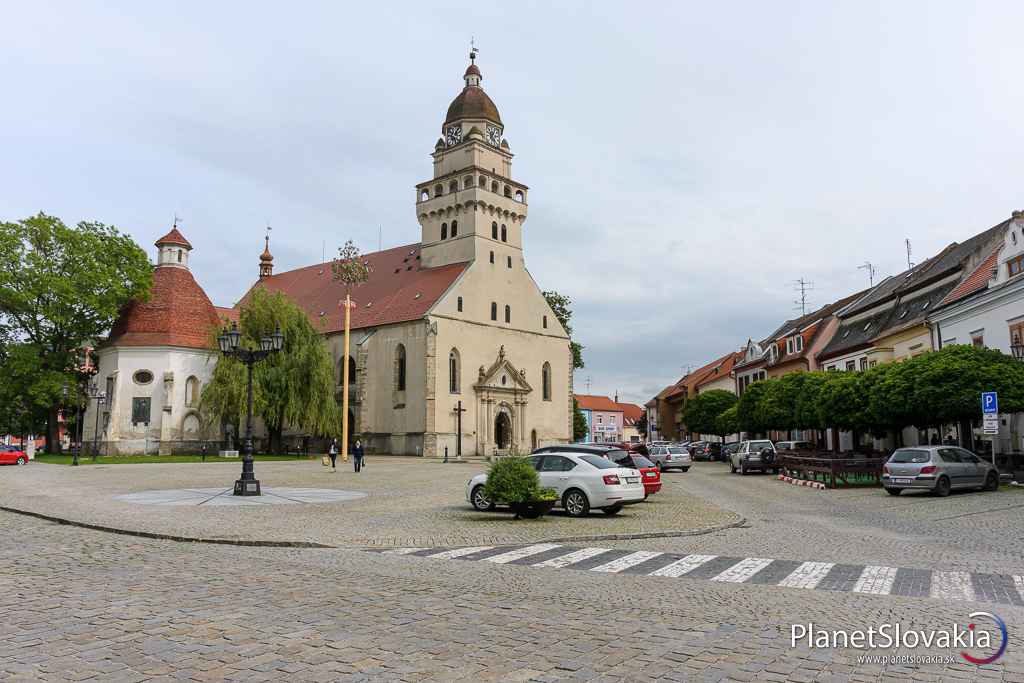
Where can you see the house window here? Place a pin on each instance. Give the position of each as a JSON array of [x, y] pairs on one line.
[[140, 410], [494, 310], [545, 381], [1017, 334], [191, 390], [978, 339], [863, 363], [789, 346], [600, 419], [444, 231], [872, 363], [458, 304], [143, 377], [1015, 266], [799, 344], [504, 234], [110, 391], [544, 322], [508, 314], [455, 228], [179, 256], [453, 371], [400, 368], [851, 366], [831, 368], [494, 230]]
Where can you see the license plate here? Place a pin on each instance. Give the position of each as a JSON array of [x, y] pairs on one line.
[[651, 475], [902, 480], [632, 480]]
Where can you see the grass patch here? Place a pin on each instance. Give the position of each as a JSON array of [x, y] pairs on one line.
[[149, 459]]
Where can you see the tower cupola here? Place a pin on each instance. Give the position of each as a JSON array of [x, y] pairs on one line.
[[266, 259], [173, 249]]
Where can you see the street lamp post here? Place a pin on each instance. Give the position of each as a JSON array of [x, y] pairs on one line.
[[100, 397], [230, 345]]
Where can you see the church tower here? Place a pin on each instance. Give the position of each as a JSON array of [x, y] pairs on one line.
[[266, 260], [471, 209]]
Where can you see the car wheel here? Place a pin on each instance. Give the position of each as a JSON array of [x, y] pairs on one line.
[[942, 487], [22, 460], [991, 482], [613, 510], [575, 503], [684, 469], [732, 468], [893, 492], [480, 500], [743, 470]]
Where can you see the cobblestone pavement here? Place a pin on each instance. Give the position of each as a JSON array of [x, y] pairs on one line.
[[86, 605], [965, 532], [409, 502]]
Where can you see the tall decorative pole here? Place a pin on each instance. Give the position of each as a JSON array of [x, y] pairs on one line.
[[344, 384], [350, 269]]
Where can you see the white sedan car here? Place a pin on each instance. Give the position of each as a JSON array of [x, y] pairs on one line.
[[583, 482]]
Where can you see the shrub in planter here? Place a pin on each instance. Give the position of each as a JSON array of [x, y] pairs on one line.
[[514, 482]]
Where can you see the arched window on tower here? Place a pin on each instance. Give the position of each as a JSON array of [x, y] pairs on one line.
[[467, 182], [494, 230], [544, 322], [494, 187], [519, 195], [438, 190], [508, 192], [482, 182], [494, 310], [179, 256], [509, 261], [191, 391], [424, 196], [453, 371], [492, 257], [459, 304], [444, 231], [453, 186], [455, 228], [508, 313], [400, 368], [545, 381], [504, 233]]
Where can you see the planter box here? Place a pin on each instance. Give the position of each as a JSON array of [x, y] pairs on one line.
[[533, 509]]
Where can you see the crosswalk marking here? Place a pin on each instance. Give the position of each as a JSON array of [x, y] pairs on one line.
[[519, 554], [572, 558], [623, 563], [459, 552], [952, 585], [876, 580], [743, 570], [807, 575], [1018, 581], [403, 551], [683, 566]]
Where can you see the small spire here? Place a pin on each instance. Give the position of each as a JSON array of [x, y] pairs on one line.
[[266, 258]]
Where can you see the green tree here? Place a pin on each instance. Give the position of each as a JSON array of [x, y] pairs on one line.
[[748, 409], [806, 414], [703, 410], [562, 307], [947, 384], [293, 388], [727, 423], [579, 422], [60, 288], [841, 401], [350, 269]]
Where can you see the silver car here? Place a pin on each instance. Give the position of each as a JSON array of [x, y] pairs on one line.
[[668, 457], [753, 455], [938, 469]]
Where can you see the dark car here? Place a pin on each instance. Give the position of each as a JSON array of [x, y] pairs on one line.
[[694, 447], [707, 450], [728, 449], [632, 447]]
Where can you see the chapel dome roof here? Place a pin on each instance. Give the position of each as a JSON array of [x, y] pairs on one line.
[[177, 313]]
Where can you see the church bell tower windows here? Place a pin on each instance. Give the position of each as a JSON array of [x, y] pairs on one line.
[[444, 231], [504, 233], [494, 311]]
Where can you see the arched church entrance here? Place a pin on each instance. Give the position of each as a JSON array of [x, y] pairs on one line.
[[502, 430]]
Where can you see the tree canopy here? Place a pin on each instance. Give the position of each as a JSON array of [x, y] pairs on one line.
[[61, 288], [703, 410], [293, 388], [579, 422], [562, 307]]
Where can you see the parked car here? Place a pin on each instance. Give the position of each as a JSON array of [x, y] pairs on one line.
[[583, 481], [649, 473], [753, 455], [693, 446], [938, 469], [706, 450], [794, 446], [668, 457], [12, 455], [728, 449]]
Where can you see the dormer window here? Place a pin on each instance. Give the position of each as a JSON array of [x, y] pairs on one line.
[[1015, 266], [798, 344]]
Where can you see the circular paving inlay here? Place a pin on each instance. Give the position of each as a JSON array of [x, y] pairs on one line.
[[225, 496]]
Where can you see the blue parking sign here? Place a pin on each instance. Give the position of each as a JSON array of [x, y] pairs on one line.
[[989, 403]]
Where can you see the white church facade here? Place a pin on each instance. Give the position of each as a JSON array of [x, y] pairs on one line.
[[451, 325]]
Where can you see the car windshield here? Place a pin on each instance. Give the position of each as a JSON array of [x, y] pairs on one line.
[[641, 461], [758, 445], [676, 449], [910, 455], [616, 454], [599, 462]]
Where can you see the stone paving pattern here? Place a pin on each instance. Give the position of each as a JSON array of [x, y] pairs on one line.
[[87, 605], [410, 502]]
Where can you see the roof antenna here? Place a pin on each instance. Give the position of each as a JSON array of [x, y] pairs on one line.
[[802, 286], [909, 262], [868, 266]]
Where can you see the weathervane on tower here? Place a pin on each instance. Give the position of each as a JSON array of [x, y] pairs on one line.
[[472, 50]]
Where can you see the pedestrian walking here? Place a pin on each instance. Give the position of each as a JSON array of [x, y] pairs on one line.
[[333, 452], [357, 456]]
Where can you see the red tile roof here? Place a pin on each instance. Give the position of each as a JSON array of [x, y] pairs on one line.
[[721, 368], [178, 313], [398, 290], [977, 280], [174, 237], [228, 315], [589, 402], [630, 412]]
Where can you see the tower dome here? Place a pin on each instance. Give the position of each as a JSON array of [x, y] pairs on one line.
[[473, 102]]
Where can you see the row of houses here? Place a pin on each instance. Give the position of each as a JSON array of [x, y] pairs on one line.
[[971, 292], [609, 421]]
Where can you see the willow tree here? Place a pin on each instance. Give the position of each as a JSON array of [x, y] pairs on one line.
[[294, 388]]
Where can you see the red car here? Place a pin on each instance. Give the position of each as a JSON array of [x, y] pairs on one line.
[[649, 473], [12, 455]]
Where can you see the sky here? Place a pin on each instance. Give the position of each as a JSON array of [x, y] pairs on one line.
[[687, 162]]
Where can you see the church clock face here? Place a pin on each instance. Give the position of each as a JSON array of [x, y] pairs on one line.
[[453, 135], [493, 135]]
